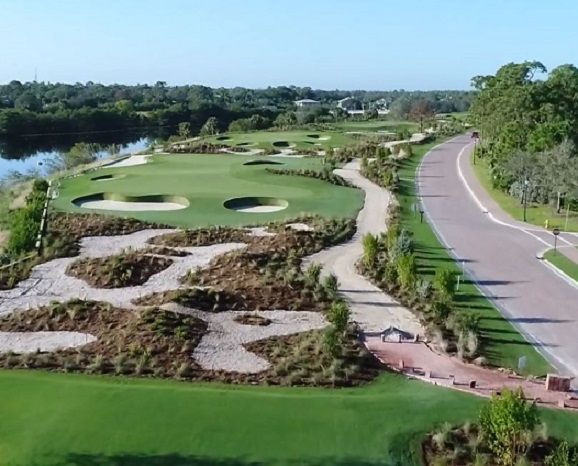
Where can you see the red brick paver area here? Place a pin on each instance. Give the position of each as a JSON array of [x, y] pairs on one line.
[[420, 362]]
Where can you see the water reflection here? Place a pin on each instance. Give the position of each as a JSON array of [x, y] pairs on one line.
[[31, 153]]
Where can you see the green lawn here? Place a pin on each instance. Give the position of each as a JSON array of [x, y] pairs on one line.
[[566, 265], [207, 181], [313, 140], [535, 214], [503, 345], [59, 419], [377, 125]]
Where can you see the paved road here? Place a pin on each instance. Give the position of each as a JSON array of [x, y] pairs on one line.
[[500, 253]]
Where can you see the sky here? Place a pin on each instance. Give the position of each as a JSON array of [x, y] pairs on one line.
[[324, 44]]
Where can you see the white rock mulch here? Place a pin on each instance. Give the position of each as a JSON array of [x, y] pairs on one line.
[[222, 347], [30, 342], [300, 226], [259, 232], [48, 282]]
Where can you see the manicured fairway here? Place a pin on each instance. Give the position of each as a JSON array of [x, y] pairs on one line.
[[378, 125], [57, 419], [207, 181], [502, 344], [312, 140]]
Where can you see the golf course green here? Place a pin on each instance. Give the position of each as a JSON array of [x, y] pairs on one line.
[[200, 189], [296, 140]]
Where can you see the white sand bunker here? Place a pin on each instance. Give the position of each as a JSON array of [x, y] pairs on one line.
[[129, 161], [222, 347], [30, 342], [112, 201], [255, 205]]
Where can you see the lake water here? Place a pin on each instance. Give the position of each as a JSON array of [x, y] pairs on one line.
[[28, 154]]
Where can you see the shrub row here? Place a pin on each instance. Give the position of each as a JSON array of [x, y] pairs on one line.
[[25, 222]]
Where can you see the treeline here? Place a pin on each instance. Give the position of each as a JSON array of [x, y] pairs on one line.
[[44, 108], [529, 130]]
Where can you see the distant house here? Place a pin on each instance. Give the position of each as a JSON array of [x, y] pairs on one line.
[[307, 103], [349, 103]]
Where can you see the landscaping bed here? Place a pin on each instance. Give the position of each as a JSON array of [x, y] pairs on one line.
[[128, 269]]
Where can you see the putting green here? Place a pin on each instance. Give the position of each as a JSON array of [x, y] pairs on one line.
[[284, 139], [202, 184]]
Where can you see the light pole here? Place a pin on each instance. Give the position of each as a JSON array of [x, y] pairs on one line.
[[524, 197]]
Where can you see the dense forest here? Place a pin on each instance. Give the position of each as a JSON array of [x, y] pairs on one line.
[[42, 108], [529, 128]]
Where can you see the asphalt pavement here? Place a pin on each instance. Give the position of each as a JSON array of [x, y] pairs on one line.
[[501, 254]]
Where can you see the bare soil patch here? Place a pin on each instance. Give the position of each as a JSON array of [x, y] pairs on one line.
[[128, 269]]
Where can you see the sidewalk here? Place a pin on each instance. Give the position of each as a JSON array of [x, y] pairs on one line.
[[493, 209]]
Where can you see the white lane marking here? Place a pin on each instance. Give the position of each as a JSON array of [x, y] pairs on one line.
[[531, 339]]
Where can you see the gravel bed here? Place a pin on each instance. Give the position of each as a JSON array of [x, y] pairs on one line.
[[222, 347]]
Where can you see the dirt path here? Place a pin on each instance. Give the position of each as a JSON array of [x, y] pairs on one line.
[[372, 309]]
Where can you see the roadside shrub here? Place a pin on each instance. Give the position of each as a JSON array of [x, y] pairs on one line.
[[423, 289], [331, 341], [406, 271], [405, 242], [444, 284]]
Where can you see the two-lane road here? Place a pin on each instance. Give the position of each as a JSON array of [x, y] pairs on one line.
[[499, 254]]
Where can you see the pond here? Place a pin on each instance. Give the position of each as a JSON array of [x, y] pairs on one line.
[[24, 155]]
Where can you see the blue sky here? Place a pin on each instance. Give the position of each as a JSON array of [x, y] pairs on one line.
[[345, 44]]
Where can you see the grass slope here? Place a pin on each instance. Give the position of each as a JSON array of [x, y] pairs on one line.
[[502, 344], [207, 181], [58, 419], [535, 214], [566, 265]]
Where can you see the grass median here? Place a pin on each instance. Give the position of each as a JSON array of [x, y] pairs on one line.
[[559, 260], [502, 344]]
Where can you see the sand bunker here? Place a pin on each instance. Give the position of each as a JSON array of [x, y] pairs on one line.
[[30, 342], [106, 177], [129, 161], [113, 201], [283, 144], [255, 205], [263, 162]]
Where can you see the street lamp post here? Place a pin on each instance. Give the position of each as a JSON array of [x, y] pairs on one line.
[[524, 197]]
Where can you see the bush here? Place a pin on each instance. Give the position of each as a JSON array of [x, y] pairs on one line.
[[444, 284], [25, 222], [405, 242], [407, 271], [370, 249], [507, 423], [339, 316]]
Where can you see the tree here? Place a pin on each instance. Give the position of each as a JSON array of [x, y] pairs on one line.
[[507, 423], [420, 111], [210, 127], [184, 130]]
